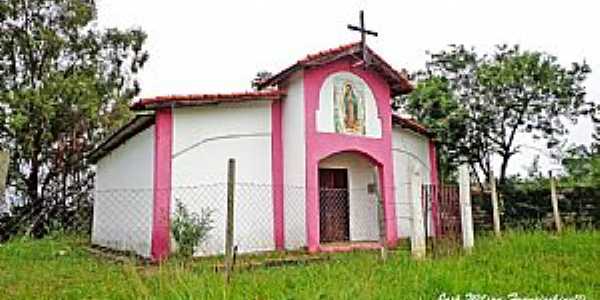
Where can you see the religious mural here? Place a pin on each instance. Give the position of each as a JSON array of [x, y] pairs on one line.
[[349, 106]]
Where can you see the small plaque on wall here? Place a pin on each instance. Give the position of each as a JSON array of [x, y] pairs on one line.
[[371, 188]]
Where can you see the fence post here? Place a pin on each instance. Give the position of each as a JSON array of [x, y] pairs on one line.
[[495, 209], [380, 216], [554, 199], [4, 161], [417, 239], [230, 219], [466, 216]]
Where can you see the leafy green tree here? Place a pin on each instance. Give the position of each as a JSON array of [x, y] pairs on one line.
[[496, 96], [259, 78], [582, 163], [582, 167], [434, 104], [596, 134], [64, 84]]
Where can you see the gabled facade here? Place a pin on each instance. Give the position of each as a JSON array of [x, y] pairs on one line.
[[319, 135]]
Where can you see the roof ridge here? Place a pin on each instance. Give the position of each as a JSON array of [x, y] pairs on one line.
[[329, 51], [411, 123], [268, 94], [398, 80]]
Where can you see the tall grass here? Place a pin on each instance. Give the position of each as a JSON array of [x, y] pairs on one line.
[[530, 264]]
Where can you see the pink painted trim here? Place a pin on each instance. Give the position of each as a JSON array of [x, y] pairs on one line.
[[321, 145], [277, 175], [163, 139], [313, 236], [433, 165], [386, 179]]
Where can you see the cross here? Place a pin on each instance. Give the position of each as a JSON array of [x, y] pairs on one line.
[[363, 35]]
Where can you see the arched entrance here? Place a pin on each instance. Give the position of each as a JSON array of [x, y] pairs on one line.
[[347, 200]]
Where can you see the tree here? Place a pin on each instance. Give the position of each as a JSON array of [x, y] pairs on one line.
[[582, 167], [596, 134], [498, 96], [433, 103], [64, 84], [582, 162], [260, 77]]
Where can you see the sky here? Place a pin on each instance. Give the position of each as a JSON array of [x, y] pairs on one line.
[[218, 46]]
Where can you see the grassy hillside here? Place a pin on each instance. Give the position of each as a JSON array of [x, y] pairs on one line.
[[530, 264]]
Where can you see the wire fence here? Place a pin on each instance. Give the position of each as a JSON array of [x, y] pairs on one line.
[[530, 208], [124, 219]]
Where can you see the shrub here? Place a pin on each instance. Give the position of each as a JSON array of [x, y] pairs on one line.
[[525, 204], [190, 229]]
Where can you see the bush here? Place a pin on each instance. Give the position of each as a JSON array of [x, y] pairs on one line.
[[190, 229], [526, 205]]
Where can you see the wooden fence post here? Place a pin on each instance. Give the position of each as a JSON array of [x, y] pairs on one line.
[[466, 215], [380, 216], [495, 209], [417, 239], [554, 199], [4, 162], [230, 219]]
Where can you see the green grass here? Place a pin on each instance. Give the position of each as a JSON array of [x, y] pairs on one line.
[[531, 264]]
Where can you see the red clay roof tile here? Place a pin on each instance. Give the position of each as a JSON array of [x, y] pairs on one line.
[[398, 81], [328, 52], [411, 124], [199, 99]]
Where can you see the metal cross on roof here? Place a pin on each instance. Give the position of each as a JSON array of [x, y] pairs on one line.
[[363, 35]]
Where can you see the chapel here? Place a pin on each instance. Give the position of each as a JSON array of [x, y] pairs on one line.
[[313, 145]]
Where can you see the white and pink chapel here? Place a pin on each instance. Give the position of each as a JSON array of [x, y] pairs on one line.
[[325, 122]]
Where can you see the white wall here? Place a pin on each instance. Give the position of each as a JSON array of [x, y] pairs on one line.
[[294, 163], [408, 148], [123, 204], [204, 138], [363, 206]]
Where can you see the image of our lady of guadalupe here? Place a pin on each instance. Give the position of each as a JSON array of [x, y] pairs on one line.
[[349, 108]]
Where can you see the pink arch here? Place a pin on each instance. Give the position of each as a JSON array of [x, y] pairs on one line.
[[353, 150], [320, 145]]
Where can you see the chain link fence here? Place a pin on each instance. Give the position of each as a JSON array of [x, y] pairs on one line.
[[123, 219]]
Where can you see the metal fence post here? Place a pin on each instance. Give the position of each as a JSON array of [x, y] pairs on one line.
[[466, 215], [230, 219], [554, 199]]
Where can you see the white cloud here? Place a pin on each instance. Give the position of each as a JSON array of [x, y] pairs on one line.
[[218, 46]]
